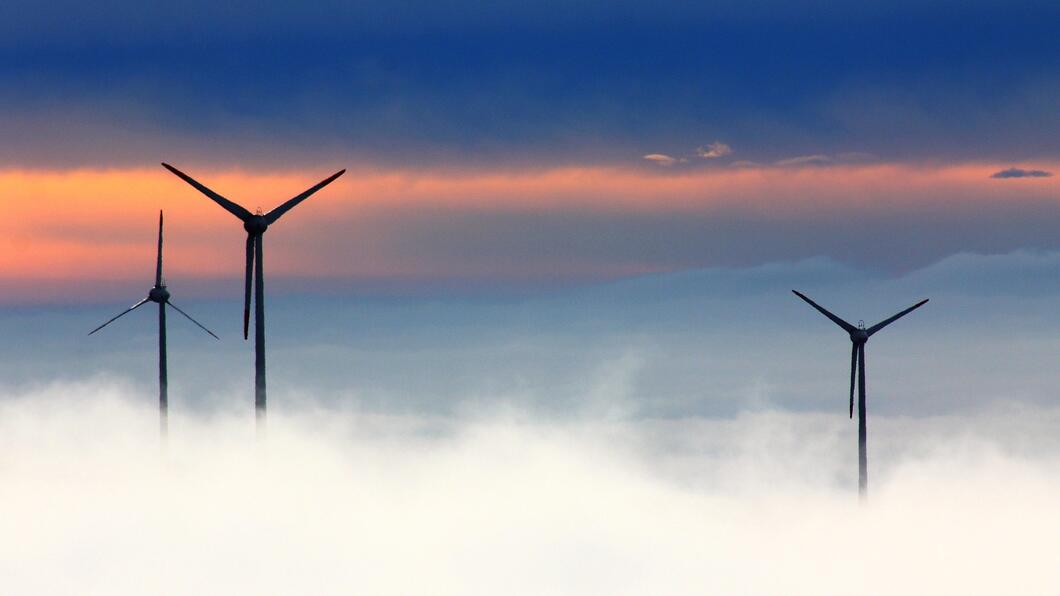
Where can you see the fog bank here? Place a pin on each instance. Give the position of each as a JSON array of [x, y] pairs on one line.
[[507, 502]]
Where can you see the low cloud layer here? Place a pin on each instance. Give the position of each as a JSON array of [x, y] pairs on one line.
[[341, 502]]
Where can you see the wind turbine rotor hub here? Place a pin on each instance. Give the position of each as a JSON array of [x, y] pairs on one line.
[[859, 336], [158, 294], [256, 224]]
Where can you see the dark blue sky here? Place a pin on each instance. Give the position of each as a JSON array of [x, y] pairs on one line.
[[558, 83]]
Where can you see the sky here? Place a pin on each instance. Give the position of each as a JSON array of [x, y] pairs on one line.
[[551, 292], [554, 144]]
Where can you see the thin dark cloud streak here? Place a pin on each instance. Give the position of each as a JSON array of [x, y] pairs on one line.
[[1021, 173]]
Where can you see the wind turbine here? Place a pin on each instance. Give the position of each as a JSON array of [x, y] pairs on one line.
[[255, 224], [160, 295], [858, 337]]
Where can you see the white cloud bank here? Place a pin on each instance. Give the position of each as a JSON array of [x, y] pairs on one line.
[[341, 503]]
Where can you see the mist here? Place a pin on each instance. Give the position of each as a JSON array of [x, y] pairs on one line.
[[506, 501], [712, 342]]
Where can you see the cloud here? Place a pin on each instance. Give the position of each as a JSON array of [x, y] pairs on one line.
[[338, 502], [745, 163], [805, 160], [663, 160], [713, 150], [1021, 173], [845, 157], [855, 156]]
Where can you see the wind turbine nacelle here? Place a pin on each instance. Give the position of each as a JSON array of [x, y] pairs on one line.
[[859, 336], [255, 224], [158, 295]]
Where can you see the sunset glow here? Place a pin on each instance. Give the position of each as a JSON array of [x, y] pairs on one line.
[[95, 223]]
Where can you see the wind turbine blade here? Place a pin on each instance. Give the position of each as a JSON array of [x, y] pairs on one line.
[[275, 214], [186, 315], [861, 377], [887, 322], [853, 371], [122, 314], [158, 268], [249, 280], [846, 326], [229, 206]]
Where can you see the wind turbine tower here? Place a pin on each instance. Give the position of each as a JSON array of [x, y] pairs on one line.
[[159, 295], [859, 336], [255, 225]]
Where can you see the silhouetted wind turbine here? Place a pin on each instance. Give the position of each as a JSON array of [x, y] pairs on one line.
[[160, 295], [255, 224], [858, 337]]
